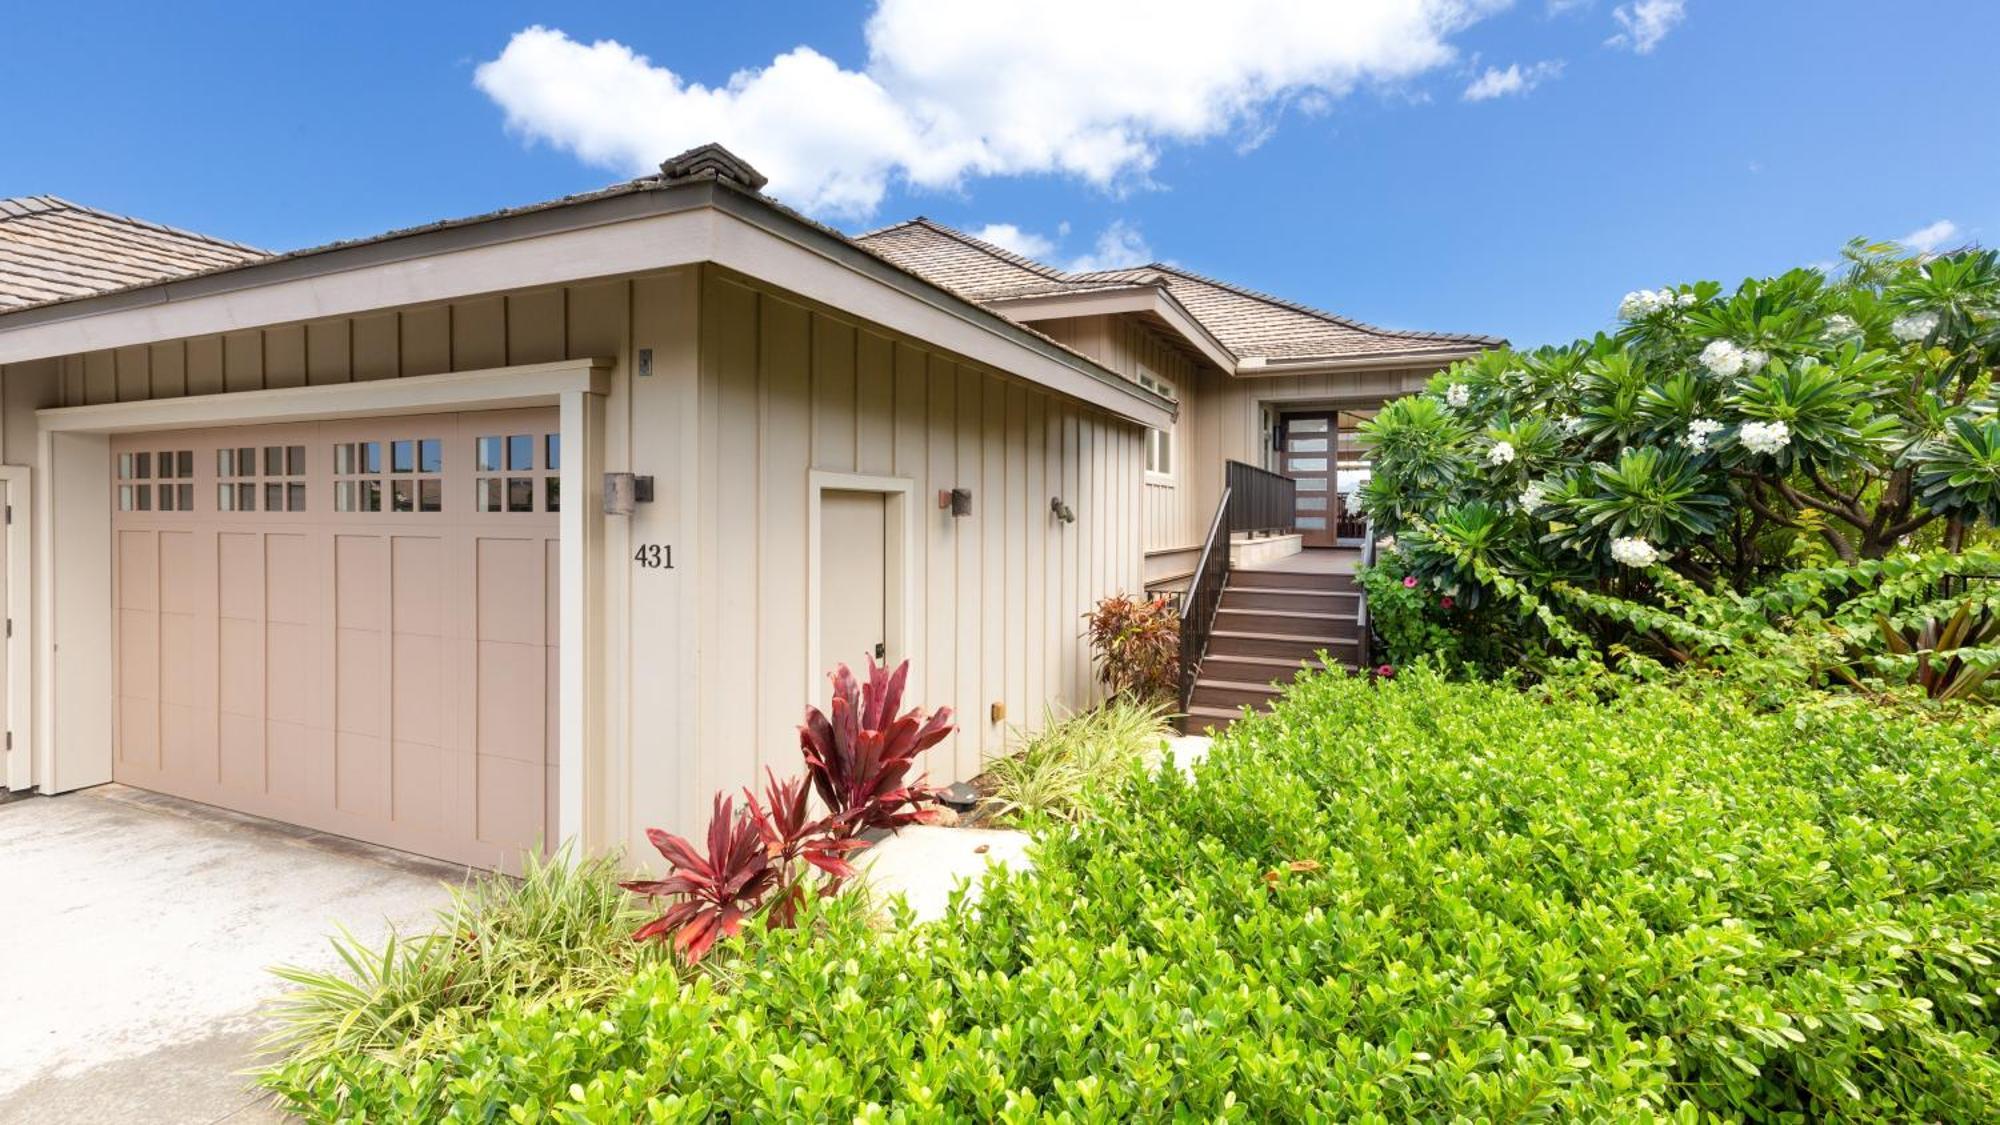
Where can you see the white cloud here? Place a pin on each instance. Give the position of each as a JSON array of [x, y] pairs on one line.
[[1118, 245], [955, 89], [1645, 23], [1925, 240], [1516, 79], [1007, 236]]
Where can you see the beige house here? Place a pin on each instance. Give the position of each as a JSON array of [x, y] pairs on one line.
[[548, 523]]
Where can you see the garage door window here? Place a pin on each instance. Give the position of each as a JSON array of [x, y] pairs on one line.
[[410, 482], [515, 456], [169, 476], [245, 473]]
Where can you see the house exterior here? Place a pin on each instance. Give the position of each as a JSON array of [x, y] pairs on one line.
[[547, 524]]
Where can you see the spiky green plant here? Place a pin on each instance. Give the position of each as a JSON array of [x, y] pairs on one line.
[[1049, 775]]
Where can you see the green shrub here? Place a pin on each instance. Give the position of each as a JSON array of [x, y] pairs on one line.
[[1413, 900], [563, 928], [1056, 767]]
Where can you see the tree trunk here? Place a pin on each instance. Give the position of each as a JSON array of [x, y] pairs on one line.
[[1954, 534]]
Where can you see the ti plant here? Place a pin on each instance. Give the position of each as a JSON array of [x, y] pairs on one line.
[[858, 760]]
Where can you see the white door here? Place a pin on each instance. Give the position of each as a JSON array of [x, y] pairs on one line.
[[853, 576]]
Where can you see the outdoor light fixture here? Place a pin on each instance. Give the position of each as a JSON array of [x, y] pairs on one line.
[[956, 500], [624, 491], [1060, 510]]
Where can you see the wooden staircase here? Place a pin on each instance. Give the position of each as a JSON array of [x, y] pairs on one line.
[[1270, 622]]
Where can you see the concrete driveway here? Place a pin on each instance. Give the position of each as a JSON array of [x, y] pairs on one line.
[[135, 931]]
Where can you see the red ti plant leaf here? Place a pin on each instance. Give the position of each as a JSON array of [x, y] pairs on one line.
[[860, 755], [712, 894]]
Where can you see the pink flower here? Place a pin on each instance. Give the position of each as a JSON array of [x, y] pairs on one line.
[[1446, 601], [1386, 671], [1409, 582]]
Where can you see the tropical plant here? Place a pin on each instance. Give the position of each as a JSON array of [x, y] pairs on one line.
[[761, 858], [1412, 900], [1729, 438], [1137, 645], [1054, 769], [558, 930]]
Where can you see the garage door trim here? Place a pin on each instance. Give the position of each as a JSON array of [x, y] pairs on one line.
[[73, 649]]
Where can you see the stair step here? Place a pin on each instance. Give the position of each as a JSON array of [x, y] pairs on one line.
[[1227, 693], [1248, 668], [1329, 626], [1292, 580], [1299, 600], [1252, 642], [1201, 720]]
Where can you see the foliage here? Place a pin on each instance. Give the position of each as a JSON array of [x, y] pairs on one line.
[[1730, 438], [1056, 767], [858, 760], [1406, 900], [1137, 644], [1949, 658], [1410, 619], [559, 930]]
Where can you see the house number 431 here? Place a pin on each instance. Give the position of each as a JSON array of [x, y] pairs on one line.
[[654, 556]]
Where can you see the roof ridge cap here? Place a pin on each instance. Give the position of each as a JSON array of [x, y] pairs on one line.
[[1335, 318]]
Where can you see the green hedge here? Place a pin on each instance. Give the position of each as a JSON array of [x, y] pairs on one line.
[[1413, 901]]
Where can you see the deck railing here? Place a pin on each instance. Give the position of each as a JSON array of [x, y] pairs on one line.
[[1254, 502], [1259, 501]]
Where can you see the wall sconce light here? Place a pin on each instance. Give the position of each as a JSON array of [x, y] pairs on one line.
[[624, 491], [1061, 511], [958, 501]]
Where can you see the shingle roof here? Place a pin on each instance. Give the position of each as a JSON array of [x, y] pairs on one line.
[[51, 249], [1248, 323]]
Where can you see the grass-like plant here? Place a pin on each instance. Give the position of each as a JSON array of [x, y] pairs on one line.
[[559, 930], [1056, 766]]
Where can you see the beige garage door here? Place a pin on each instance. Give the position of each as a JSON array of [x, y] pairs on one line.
[[345, 625]]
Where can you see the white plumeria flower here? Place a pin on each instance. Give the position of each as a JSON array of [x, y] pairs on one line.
[[1457, 395], [1698, 433], [1685, 299], [1502, 453], [1839, 326], [1723, 358], [1914, 327], [1531, 497], [1386, 544], [1764, 437], [1643, 303], [1754, 360], [1633, 551], [1573, 423]]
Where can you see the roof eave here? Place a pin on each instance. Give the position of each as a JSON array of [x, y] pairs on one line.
[[1139, 297], [1262, 367]]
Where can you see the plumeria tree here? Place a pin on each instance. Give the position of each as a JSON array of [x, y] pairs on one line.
[[1729, 436], [1718, 430]]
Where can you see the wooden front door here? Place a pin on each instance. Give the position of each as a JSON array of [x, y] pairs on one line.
[[1306, 440]]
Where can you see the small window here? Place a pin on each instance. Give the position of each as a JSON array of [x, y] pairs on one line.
[[430, 456], [520, 494], [489, 455], [488, 494], [1160, 452], [154, 481], [521, 453], [553, 460], [554, 493]]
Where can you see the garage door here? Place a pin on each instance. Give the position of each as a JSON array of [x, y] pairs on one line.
[[345, 625]]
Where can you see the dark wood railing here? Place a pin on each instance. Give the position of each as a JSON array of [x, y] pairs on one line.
[[1259, 501], [1254, 502]]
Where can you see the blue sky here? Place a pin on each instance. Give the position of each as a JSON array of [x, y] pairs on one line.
[[1333, 159]]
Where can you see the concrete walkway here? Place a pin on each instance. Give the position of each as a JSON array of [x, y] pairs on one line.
[[135, 931]]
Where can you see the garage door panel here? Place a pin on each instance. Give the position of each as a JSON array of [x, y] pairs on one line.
[[418, 689], [291, 579], [510, 585], [510, 799], [361, 571], [239, 560], [240, 667], [138, 571], [240, 744], [327, 626], [139, 733], [511, 718], [362, 779]]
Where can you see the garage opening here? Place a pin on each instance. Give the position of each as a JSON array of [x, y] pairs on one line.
[[350, 625]]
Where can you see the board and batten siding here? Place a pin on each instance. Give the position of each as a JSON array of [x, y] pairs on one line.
[[701, 678], [999, 596], [1171, 519]]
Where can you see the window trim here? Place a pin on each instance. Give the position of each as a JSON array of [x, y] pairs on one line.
[[1168, 436]]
